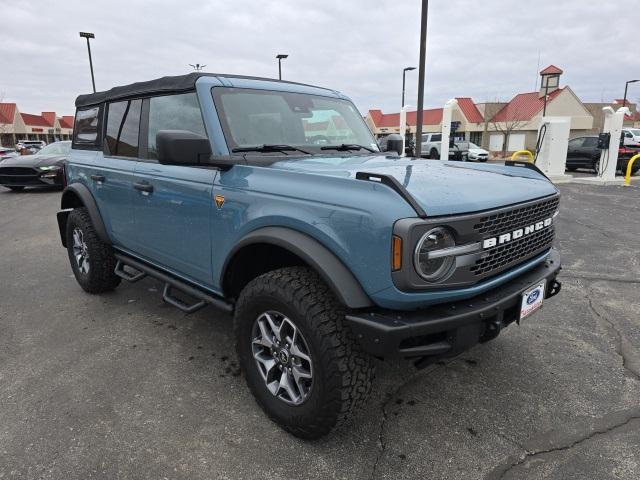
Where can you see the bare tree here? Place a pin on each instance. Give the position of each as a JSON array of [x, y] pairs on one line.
[[511, 121]]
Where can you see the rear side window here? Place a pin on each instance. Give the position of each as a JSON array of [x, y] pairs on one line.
[[123, 128], [173, 112], [86, 128]]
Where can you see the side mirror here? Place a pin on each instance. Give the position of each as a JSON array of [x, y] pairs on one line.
[[181, 147], [394, 143]]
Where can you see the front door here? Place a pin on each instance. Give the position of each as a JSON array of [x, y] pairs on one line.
[[173, 203]]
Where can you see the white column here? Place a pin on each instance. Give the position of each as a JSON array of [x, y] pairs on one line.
[[447, 113], [613, 125], [552, 157], [403, 126]]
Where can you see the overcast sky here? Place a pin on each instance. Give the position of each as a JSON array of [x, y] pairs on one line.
[[484, 49]]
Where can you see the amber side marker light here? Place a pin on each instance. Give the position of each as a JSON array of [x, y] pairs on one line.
[[396, 253]]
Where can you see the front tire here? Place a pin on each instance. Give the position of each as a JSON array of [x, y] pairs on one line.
[[433, 154], [16, 189], [301, 362], [92, 261]]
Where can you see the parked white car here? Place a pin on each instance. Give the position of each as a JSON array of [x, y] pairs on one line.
[[431, 147], [476, 153], [631, 137]]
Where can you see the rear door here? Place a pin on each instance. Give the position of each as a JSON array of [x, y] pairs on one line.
[[112, 177], [173, 204]]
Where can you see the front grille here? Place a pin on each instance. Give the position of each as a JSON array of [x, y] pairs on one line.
[[18, 171], [491, 225], [502, 255]]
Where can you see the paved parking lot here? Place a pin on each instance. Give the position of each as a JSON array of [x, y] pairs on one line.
[[124, 386]]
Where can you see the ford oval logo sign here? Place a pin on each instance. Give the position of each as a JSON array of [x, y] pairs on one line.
[[533, 296]]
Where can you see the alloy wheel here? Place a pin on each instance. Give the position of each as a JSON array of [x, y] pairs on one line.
[[282, 357], [80, 251]]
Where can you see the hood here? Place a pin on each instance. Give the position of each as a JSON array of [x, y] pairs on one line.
[[33, 161], [478, 151], [440, 187]]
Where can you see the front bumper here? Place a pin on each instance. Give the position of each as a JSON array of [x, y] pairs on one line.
[[37, 179], [448, 329]]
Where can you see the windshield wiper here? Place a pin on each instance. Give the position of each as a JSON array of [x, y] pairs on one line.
[[343, 147], [269, 148]]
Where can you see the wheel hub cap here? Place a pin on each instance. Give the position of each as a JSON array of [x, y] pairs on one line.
[[282, 357]]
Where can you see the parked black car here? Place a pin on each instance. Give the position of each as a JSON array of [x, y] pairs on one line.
[[7, 153], [583, 152], [42, 169]]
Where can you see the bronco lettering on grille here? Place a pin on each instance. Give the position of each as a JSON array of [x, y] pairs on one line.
[[507, 237]]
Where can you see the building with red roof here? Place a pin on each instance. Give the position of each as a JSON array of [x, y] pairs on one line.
[[466, 113], [510, 126], [16, 126]]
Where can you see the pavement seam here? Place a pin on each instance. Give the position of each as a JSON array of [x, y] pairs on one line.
[[382, 445], [501, 471], [620, 340], [602, 278]]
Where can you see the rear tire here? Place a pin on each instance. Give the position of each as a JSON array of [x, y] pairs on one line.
[[92, 261], [339, 373]]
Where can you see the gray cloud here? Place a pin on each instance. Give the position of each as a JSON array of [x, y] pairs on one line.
[[487, 50]]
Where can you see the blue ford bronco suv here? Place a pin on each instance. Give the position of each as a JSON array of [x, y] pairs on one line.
[[272, 201]]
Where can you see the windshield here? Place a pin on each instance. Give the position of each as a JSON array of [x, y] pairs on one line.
[[635, 132], [253, 118], [473, 145], [58, 148]]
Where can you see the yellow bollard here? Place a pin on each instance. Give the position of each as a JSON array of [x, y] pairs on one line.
[[522, 152], [627, 177]]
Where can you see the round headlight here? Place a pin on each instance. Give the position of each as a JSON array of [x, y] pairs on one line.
[[435, 268]]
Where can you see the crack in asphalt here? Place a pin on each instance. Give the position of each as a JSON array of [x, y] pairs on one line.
[[598, 229], [501, 471], [621, 343], [566, 273], [382, 445]]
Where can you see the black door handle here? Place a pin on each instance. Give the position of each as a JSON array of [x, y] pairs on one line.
[[97, 178], [143, 187]]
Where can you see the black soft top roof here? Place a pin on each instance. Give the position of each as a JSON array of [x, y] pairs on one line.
[[178, 83]]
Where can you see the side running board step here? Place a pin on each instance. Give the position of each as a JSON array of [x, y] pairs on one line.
[[170, 283]]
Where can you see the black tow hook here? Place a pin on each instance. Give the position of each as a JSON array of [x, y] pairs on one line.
[[554, 289], [492, 330]]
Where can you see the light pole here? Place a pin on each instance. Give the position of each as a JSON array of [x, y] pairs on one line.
[[197, 67], [88, 35], [280, 56], [404, 72], [423, 53], [626, 86]]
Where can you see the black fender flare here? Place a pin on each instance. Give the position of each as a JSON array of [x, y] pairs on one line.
[[335, 273], [78, 195]]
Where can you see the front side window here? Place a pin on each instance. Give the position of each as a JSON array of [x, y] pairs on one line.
[[123, 126], [85, 127], [173, 112], [590, 142], [252, 118]]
